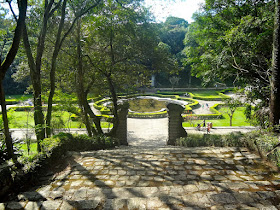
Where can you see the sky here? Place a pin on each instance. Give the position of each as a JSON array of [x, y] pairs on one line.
[[177, 8], [164, 8]]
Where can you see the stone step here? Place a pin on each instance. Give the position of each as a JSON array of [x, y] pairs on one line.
[[198, 200], [157, 178], [85, 193]]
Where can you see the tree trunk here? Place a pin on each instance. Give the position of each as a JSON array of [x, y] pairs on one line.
[[115, 105], [275, 77], [230, 120], [8, 139], [82, 96], [53, 70], [35, 70], [22, 6]]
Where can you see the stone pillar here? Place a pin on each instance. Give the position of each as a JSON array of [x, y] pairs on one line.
[[175, 119], [121, 132]]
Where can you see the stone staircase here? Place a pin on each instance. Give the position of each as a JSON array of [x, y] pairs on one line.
[[156, 178]]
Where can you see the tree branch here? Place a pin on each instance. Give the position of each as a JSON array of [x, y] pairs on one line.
[[75, 20], [16, 40], [11, 8]]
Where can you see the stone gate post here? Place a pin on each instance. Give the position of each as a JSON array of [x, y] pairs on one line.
[[121, 132], [175, 127]]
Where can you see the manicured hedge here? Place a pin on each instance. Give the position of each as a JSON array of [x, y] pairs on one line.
[[209, 98], [147, 115], [105, 111], [260, 141], [226, 90], [216, 114], [171, 93], [30, 108], [11, 101]]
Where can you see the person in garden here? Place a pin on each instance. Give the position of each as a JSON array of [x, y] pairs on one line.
[[204, 123]]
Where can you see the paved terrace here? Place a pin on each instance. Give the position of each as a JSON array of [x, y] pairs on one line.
[[156, 178], [149, 175]]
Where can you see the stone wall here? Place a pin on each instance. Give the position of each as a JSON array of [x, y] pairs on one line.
[[175, 119], [121, 132]]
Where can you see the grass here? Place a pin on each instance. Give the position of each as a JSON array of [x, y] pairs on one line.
[[146, 105], [23, 148], [206, 93], [239, 119], [18, 97], [19, 119]]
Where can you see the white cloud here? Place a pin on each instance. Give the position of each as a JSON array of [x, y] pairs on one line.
[[177, 8]]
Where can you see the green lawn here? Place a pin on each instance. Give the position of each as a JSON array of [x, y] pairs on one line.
[[146, 105], [23, 148], [18, 97], [20, 119], [205, 93], [239, 119]]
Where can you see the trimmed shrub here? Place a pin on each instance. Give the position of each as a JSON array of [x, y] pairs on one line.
[[219, 97], [216, 114], [206, 140], [261, 142], [11, 101], [147, 115]]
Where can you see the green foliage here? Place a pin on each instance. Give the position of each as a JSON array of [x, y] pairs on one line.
[[231, 41], [260, 141], [56, 147], [238, 118], [198, 140], [147, 115], [216, 114], [208, 95], [248, 112]]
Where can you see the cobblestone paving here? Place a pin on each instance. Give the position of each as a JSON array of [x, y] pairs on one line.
[[157, 178]]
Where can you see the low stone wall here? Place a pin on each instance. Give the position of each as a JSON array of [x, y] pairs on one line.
[[175, 119]]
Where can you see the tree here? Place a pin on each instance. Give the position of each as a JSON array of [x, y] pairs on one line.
[[22, 7], [174, 81], [57, 47], [45, 13], [35, 62], [115, 49], [172, 33], [230, 41], [123, 41], [275, 78], [232, 104]]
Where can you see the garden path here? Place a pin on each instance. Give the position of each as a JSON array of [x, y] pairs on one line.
[[203, 109], [155, 178], [147, 132]]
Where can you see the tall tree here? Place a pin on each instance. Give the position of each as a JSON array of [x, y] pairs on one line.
[[60, 38], [231, 41], [35, 63], [22, 7], [44, 14], [275, 78]]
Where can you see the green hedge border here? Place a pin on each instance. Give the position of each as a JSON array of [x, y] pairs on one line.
[[106, 111], [210, 98], [216, 115]]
